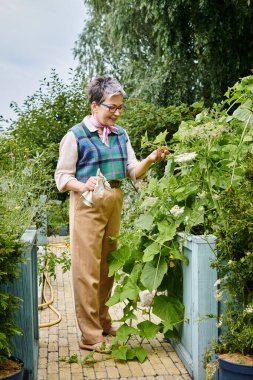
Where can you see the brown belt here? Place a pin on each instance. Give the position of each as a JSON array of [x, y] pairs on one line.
[[115, 183]]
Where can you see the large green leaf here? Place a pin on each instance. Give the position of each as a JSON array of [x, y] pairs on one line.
[[128, 313], [244, 112], [118, 259], [145, 221], [152, 185], [148, 329], [161, 138], [168, 326], [151, 251], [166, 231], [169, 309], [149, 202], [153, 273], [130, 288], [120, 353], [124, 331], [138, 352], [115, 298], [130, 291]]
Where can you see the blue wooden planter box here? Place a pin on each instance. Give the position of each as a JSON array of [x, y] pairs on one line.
[[199, 301], [26, 346]]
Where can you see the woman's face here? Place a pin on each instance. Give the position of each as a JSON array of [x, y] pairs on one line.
[[102, 112]]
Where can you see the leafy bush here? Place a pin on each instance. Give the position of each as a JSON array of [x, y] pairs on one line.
[[21, 182], [48, 114], [206, 188], [57, 215], [142, 117]]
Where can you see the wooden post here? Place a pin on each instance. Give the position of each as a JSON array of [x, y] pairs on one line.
[[25, 287], [199, 302]]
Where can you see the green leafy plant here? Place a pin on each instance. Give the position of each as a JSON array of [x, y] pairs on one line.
[[206, 188], [18, 205], [24, 178], [147, 119], [57, 215], [48, 260]]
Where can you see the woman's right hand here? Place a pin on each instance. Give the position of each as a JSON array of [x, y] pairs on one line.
[[90, 184]]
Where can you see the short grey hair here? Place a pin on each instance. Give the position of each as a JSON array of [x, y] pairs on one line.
[[102, 86]]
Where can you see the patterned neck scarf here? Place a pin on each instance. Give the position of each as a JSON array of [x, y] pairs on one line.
[[105, 128]]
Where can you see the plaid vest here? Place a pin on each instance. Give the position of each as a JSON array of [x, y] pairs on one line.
[[94, 154]]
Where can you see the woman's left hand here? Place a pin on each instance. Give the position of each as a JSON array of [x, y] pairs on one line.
[[158, 154]]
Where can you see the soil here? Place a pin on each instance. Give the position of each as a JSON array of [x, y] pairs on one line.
[[9, 367], [238, 358]]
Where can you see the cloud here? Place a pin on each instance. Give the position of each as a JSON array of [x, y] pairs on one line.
[[35, 37]]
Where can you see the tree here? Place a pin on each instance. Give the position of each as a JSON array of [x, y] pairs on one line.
[[168, 51]]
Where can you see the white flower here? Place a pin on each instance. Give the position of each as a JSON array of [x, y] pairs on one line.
[[202, 195], [207, 131], [146, 298], [218, 295], [249, 309], [219, 323], [185, 157], [177, 211], [217, 282]]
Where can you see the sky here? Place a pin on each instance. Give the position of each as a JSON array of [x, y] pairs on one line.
[[35, 37]]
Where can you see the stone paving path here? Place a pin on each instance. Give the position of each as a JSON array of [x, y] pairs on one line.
[[61, 340]]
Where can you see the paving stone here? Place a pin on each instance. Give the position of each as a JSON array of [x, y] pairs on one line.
[[62, 340], [187, 377], [63, 351], [53, 356], [42, 363], [53, 368], [135, 369], [77, 376], [148, 370], [53, 347], [112, 372], [42, 374], [89, 374], [101, 374], [110, 363], [53, 376], [43, 352], [124, 370], [181, 368]]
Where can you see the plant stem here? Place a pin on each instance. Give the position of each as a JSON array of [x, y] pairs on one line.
[[238, 150]]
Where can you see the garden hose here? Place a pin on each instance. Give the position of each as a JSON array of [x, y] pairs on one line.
[[48, 303]]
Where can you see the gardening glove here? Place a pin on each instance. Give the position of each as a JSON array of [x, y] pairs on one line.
[[100, 187]]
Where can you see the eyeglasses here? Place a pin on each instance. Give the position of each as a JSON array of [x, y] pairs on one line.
[[113, 108]]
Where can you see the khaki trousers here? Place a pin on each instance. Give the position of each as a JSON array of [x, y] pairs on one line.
[[90, 244]]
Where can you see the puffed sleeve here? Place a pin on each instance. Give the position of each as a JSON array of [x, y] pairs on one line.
[[66, 166], [132, 161]]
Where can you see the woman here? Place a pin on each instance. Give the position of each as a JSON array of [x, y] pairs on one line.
[[97, 143]]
